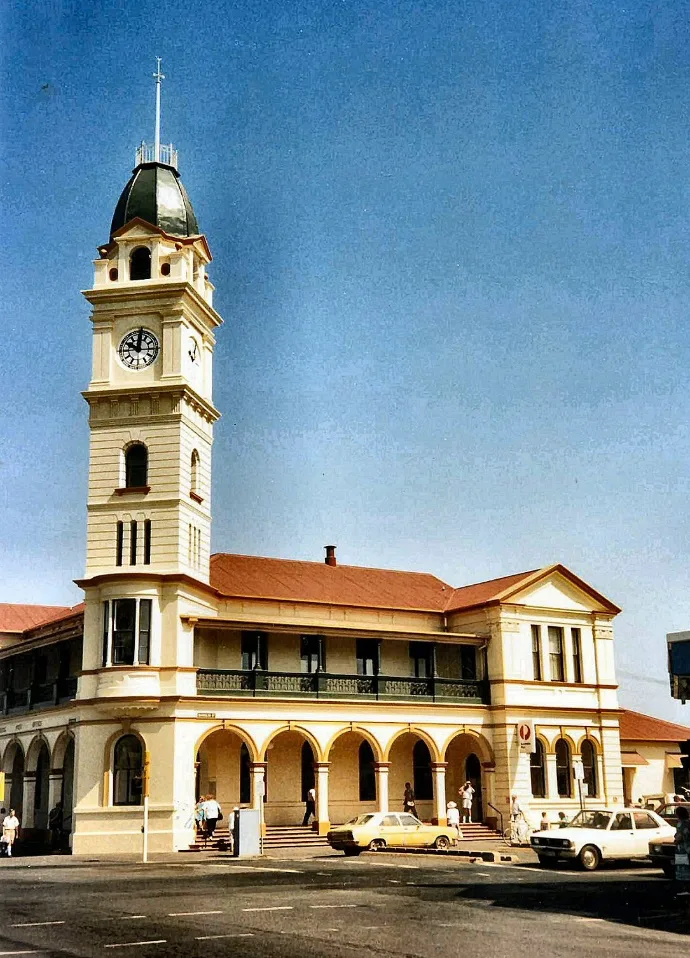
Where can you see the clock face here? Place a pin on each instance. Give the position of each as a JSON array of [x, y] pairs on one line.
[[193, 350], [138, 349]]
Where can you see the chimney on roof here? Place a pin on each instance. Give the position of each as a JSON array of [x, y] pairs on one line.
[[330, 555]]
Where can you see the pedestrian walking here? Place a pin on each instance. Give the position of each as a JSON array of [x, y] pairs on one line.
[[55, 819], [10, 830], [310, 807], [213, 813], [544, 823], [466, 793], [408, 800], [453, 818]]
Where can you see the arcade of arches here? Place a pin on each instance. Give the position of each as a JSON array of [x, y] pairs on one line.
[[355, 777], [37, 780]]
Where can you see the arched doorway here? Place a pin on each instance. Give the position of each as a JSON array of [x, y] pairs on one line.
[[224, 769], [411, 759], [352, 777], [41, 787], [464, 756], [289, 776], [14, 771]]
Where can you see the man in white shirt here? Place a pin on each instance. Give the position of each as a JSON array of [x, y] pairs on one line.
[[212, 812], [10, 829], [310, 809]]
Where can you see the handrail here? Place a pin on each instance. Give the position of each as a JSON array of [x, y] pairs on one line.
[[499, 813]]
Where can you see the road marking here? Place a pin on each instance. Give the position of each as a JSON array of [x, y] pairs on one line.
[[132, 944], [189, 914], [334, 906], [241, 934], [259, 868], [271, 908], [35, 924], [125, 918], [394, 881], [23, 952], [392, 865]]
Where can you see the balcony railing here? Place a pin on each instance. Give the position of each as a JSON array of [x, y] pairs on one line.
[[257, 682], [38, 696]]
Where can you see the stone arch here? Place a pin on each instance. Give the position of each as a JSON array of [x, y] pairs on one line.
[[230, 727], [420, 733], [14, 765], [37, 743], [469, 756], [310, 737], [109, 759], [9, 754], [376, 746], [480, 744], [587, 736], [62, 743]]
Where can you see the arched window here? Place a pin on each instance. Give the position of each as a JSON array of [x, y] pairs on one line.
[[421, 767], [589, 765], [128, 765], [537, 771], [245, 775], [367, 775], [307, 770], [136, 466], [195, 472], [140, 263], [563, 771]]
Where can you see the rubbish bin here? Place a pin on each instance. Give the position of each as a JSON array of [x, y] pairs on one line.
[[246, 832]]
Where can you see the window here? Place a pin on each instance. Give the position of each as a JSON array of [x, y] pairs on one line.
[[128, 765], [391, 820], [194, 547], [140, 263], [576, 637], [194, 468], [468, 663], [312, 653], [367, 775], [644, 820], [422, 659], [421, 767], [147, 542], [409, 821], [112, 273], [126, 632], [536, 653], [588, 753], [133, 542], [136, 466], [563, 771], [254, 650], [622, 822], [556, 653], [537, 770], [119, 542], [368, 657]]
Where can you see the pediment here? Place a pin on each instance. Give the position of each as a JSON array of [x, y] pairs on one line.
[[559, 588]]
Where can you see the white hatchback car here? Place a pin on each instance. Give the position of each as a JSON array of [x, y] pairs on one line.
[[596, 834]]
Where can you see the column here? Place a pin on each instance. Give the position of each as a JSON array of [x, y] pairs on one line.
[[257, 770], [489, 791], [54, 788], [551, 777], [438, 770], [26, 819], [322, 820], [381, 771]]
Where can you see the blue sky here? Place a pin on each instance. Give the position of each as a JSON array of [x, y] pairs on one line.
[[451, 251]]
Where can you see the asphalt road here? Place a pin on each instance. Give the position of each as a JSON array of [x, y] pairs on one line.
[[378, 905]]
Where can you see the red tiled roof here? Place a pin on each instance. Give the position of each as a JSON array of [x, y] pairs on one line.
[[19, 618], [636, 727], [293, 580], [469, 595]]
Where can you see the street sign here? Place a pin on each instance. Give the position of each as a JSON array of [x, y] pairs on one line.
[[525, 732], [578, 771]]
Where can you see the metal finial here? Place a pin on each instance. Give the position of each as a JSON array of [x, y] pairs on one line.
[[158, 76]]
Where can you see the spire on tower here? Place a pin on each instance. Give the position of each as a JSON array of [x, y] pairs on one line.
[[158, 76], [166, 153]]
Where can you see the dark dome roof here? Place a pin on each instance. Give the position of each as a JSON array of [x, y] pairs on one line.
[[156, 194]]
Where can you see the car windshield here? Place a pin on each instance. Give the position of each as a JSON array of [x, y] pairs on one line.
[[360, 820], [591, 819]]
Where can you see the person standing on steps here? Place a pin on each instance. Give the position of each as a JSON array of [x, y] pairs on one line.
[[212, 813], [310, 807], [466, 793]]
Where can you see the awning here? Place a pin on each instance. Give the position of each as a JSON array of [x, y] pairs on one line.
[[673, 760], [632, 759]]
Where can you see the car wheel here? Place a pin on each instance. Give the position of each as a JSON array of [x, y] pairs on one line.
[[442, 843], [352, 851], [590, 858], [377, 845], [546, 861]]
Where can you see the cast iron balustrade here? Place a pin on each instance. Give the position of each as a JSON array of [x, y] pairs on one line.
[[47, 693], [257, 682]]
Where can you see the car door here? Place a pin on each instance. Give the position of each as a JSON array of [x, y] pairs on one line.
[[414, 833], [620, 839], [391, 830], [647, 828]]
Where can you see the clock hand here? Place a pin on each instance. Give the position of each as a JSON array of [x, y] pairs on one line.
[[141, 333]]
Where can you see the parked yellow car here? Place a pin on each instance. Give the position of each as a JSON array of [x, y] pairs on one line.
[[378, 830]]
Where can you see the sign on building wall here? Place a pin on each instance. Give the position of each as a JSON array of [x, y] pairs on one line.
[[525, 732]]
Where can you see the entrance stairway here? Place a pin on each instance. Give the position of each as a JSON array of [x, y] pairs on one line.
[[299, 836]]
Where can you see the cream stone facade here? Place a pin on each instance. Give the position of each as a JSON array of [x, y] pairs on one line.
[[250, 678]]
